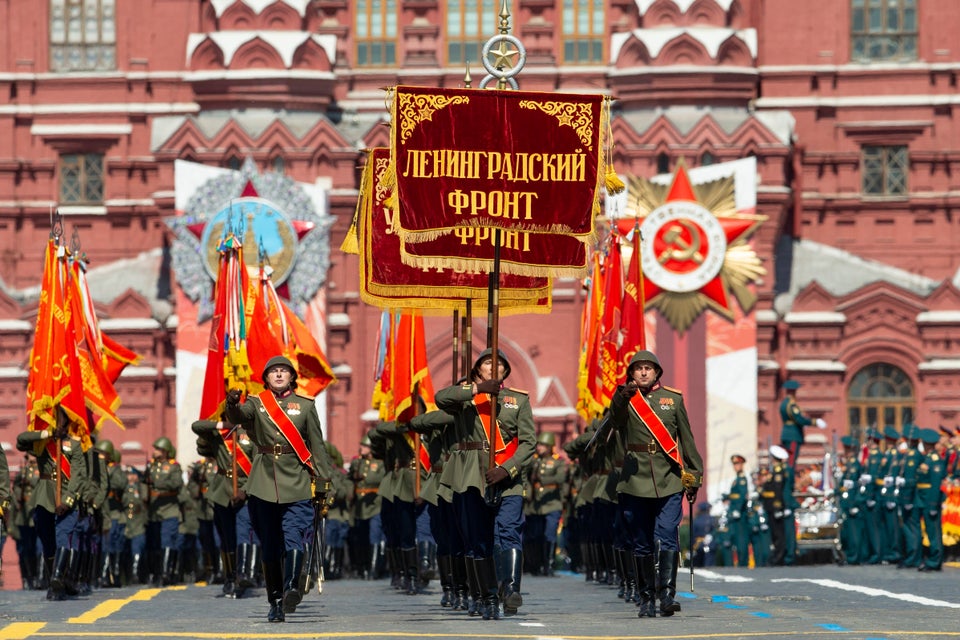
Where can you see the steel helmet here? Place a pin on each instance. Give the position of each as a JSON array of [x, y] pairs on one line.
[[277, 361], [487, 353], [645, 356], [163, 443], [105, 447], [547, 438]]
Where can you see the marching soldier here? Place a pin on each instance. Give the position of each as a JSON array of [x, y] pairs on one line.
[[290, 471], [94, 495], [930, 476], [113, 515], [851, 503], [737, 515], [906, 490], [366, 535], [547, 479], [23, 528], [890, 510], [871, 484], [164, 480], [200, 479], [56, 516], [794, 421], [338, 516], [772, 496], [134, 499], [488, 500], [759, 526], [660, 468]]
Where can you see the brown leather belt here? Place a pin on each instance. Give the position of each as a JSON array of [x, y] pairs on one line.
[[226, 473], [649, 447], [548, 487], [48, 476], [361, 492], [163, 494], [472, 446], [277, 449]]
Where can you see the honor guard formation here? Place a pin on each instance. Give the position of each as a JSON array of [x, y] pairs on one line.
[[471, 504]]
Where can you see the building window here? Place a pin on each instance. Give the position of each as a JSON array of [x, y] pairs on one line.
[[234, 163], [81, 178], [880, 395], [707, 159], [583, 31], [83, 35], [376, 33], [884, 30], [884, 170], [278, 164], [663, 163], [470, 23]]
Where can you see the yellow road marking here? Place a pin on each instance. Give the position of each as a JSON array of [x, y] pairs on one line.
[[20, 630], [109, 607]]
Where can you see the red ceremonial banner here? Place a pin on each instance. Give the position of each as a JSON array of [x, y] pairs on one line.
[[388, 283], [514, 160]]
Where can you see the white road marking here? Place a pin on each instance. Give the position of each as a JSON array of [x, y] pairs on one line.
[[870, 591], [719, 577]]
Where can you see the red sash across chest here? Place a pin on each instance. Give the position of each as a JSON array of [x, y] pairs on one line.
[[285, 425], [659, 431], [243, 461], [503, 450], [52, 445]]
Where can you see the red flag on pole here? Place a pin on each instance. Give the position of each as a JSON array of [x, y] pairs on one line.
[[634, 334], [610, 322]]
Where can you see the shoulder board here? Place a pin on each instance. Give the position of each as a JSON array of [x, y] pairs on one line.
[[673, 389], [303, 395], [523, 391]]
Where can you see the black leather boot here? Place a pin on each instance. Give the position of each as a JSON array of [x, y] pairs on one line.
[[228, 560], [461, 584], [375, 561], [58, 574], [244, 576], [445, 567], [336, 564], [292, 566], [647, 584], [73, 570], [486, 571], [473, 584], [169, 566], [411, 571], [136, 568], [549, 553], [513, 570], [273, 576], [669, 561], [106, 581], [629, 572], [427, 555]]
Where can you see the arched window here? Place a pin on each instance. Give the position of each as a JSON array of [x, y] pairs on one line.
[[663, 163], [278, 164], [880, 395], [707, 159]]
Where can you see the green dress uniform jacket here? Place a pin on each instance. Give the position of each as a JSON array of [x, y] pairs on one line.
[[793, 421], [45, 493], [94, 492], [4, 484], [116, 484], [647, 470], [437, 428], [164, 478], [23, 487], [366, 474], [281, 477], [220, 483], [340, 504], [199, 477], [398, 481], [930, 476], [469, 460], [548, 484], [135, 506]]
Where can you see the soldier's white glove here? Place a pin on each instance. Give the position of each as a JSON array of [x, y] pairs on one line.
[[888, 481], [734, 515], [900, 481], [787, 513], [848, 484], [866, 478], [908, 507], [854, 511], [821, 423], [871, 504]]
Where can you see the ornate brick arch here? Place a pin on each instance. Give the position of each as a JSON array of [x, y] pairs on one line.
[[684, 49], [279, 15], [257, 54], [207, 56], [312, 56], [662, 13], [734, 52]]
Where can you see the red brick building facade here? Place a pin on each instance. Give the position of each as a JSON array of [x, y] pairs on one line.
[[846, 105]]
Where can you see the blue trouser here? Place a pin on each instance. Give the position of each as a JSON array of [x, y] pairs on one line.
[[115, 536], [336, 533], [246, 534], [225, 519], [399, 523], [444, 529], [281, 527], [477, 523], [56, 531], [650, 519], [137, 544], [508, 524], [424, 515], [163, 534]]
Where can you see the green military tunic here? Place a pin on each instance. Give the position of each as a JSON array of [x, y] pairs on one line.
[[366, 473], [134, 501], [930, 476], [647, 470], [548, 484], [470, 458], [45, 493], [438, 428], [220, 481], [277, 474], [116, 484], [165, 480], [738, 518]]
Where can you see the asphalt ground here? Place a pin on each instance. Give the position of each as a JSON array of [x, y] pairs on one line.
[[817, 601]]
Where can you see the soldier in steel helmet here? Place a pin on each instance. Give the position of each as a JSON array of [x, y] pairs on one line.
[[164, 480], [660, 466], [488, 498], [114, 521], [291, 468], [365, 539], [547, 481]]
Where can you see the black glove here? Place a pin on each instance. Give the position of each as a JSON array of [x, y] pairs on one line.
[[62, 509], [495, 475], [238, 499], [61, 432], [628, 389], [233, 396], [691, 493], [489, 386]]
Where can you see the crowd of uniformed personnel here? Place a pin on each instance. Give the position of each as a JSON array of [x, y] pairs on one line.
[[445, 511]]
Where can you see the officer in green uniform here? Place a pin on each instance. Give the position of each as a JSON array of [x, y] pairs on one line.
[[547, 480], [737, 515], [164, 480], [930, 475], [200, 478], [367, 544], [906, 490], [760, 538], [290, 469], [723, 538], [22, 526], [134, 501], [772, 494], [338, 517], [93, 495], [189, 529], [114, 522], [890, 510], [794, 420], [660, 467], [851, 503], [57, 520], [488, 498], [591, 460], [871, 483]]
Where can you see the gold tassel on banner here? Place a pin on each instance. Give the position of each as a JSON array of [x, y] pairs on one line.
[[612, 181], [351, 242]]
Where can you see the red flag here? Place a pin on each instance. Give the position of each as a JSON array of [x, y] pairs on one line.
[[411, 375], [116, 357], [267, 327], [610, 322], [383, 390], [634, 334], [588, 403], [54, 378], [313, 371]]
